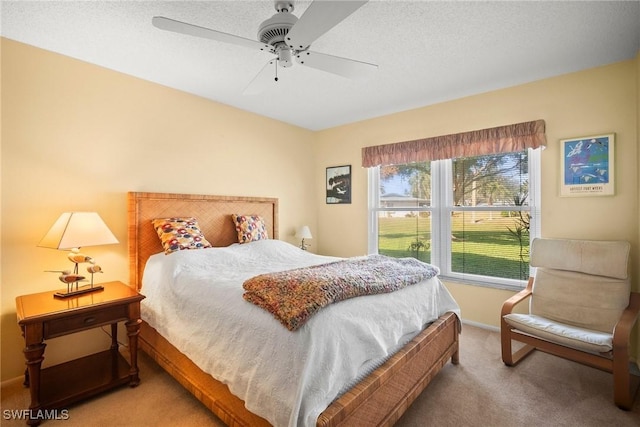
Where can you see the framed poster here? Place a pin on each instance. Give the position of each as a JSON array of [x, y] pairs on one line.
[[587, 166], [339, 184]]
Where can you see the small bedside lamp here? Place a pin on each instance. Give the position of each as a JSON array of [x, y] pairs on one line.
[[72, 231], [303, 233]]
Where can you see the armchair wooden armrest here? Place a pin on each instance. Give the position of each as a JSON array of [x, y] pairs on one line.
[[508, 305], [625, 385], [508, 357], [622, 331]]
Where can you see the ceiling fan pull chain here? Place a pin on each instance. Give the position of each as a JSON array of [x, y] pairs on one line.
[[276, 62]]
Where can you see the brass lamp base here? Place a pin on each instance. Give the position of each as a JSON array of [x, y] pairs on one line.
[[84, 290]]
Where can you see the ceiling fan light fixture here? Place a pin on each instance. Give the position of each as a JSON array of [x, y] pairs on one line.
[[284, 56]]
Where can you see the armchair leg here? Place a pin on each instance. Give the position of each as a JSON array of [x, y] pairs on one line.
[[508, 356], [513, 359], [625, 385]]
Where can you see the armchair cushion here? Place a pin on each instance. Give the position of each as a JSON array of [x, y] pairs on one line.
[[600, 258], [578, 299], [560, 333]]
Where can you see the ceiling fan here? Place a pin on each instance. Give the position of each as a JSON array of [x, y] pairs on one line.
[[287, 36]]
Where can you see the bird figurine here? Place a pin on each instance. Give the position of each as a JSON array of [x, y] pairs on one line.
[[78, 258], [71, 278], [67, 277], [94, 269]]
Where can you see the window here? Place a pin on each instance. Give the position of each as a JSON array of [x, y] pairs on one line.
[[473, 217]]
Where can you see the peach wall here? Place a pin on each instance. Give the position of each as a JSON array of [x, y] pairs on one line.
[[591, 102], [79, 137]]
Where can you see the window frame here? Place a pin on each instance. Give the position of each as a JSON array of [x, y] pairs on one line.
[[441, 207]]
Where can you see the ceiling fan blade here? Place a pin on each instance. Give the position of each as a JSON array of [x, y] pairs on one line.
[[194, 30], [320, 17], [263, 79], [344, 67]]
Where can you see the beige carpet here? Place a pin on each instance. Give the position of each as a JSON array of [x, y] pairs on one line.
[[542, 391]]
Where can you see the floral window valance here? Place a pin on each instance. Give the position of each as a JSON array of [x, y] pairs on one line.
[[501, 139]]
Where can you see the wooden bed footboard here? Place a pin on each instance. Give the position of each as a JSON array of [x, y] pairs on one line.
[[380, 399]]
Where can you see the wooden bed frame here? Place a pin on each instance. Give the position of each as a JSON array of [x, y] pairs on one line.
[[379, 399]]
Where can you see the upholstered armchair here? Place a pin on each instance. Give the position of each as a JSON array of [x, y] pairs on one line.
[[581, 308]]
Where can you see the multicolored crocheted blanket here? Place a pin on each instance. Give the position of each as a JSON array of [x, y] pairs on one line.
[[293, 296]]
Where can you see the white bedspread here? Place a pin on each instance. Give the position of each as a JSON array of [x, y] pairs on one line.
[[194, 299]]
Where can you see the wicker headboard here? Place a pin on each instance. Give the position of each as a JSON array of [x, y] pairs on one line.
[[212, 212]]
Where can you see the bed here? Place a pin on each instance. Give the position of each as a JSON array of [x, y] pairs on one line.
[[378, 398]]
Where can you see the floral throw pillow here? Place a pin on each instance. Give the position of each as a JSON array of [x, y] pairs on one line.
[[177, 234], [250, 228]]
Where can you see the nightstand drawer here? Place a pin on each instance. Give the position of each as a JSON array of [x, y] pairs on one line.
[[89, 320]]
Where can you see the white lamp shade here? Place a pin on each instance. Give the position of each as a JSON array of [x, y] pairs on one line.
[[77, 230], [304, 233]]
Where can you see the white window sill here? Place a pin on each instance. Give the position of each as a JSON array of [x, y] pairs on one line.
[[520, 285]]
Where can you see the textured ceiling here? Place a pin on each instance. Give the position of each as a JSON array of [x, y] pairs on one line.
[[427, 51]]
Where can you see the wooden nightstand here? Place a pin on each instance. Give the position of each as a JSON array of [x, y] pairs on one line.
[[41, 316]]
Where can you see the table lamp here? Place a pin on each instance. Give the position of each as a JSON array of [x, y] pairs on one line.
[[304, 233], [72, 231]]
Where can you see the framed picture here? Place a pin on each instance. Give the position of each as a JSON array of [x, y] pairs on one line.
[[587, 166], [339, 184]]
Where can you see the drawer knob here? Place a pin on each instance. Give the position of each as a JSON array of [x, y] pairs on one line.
[[89, 320]]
